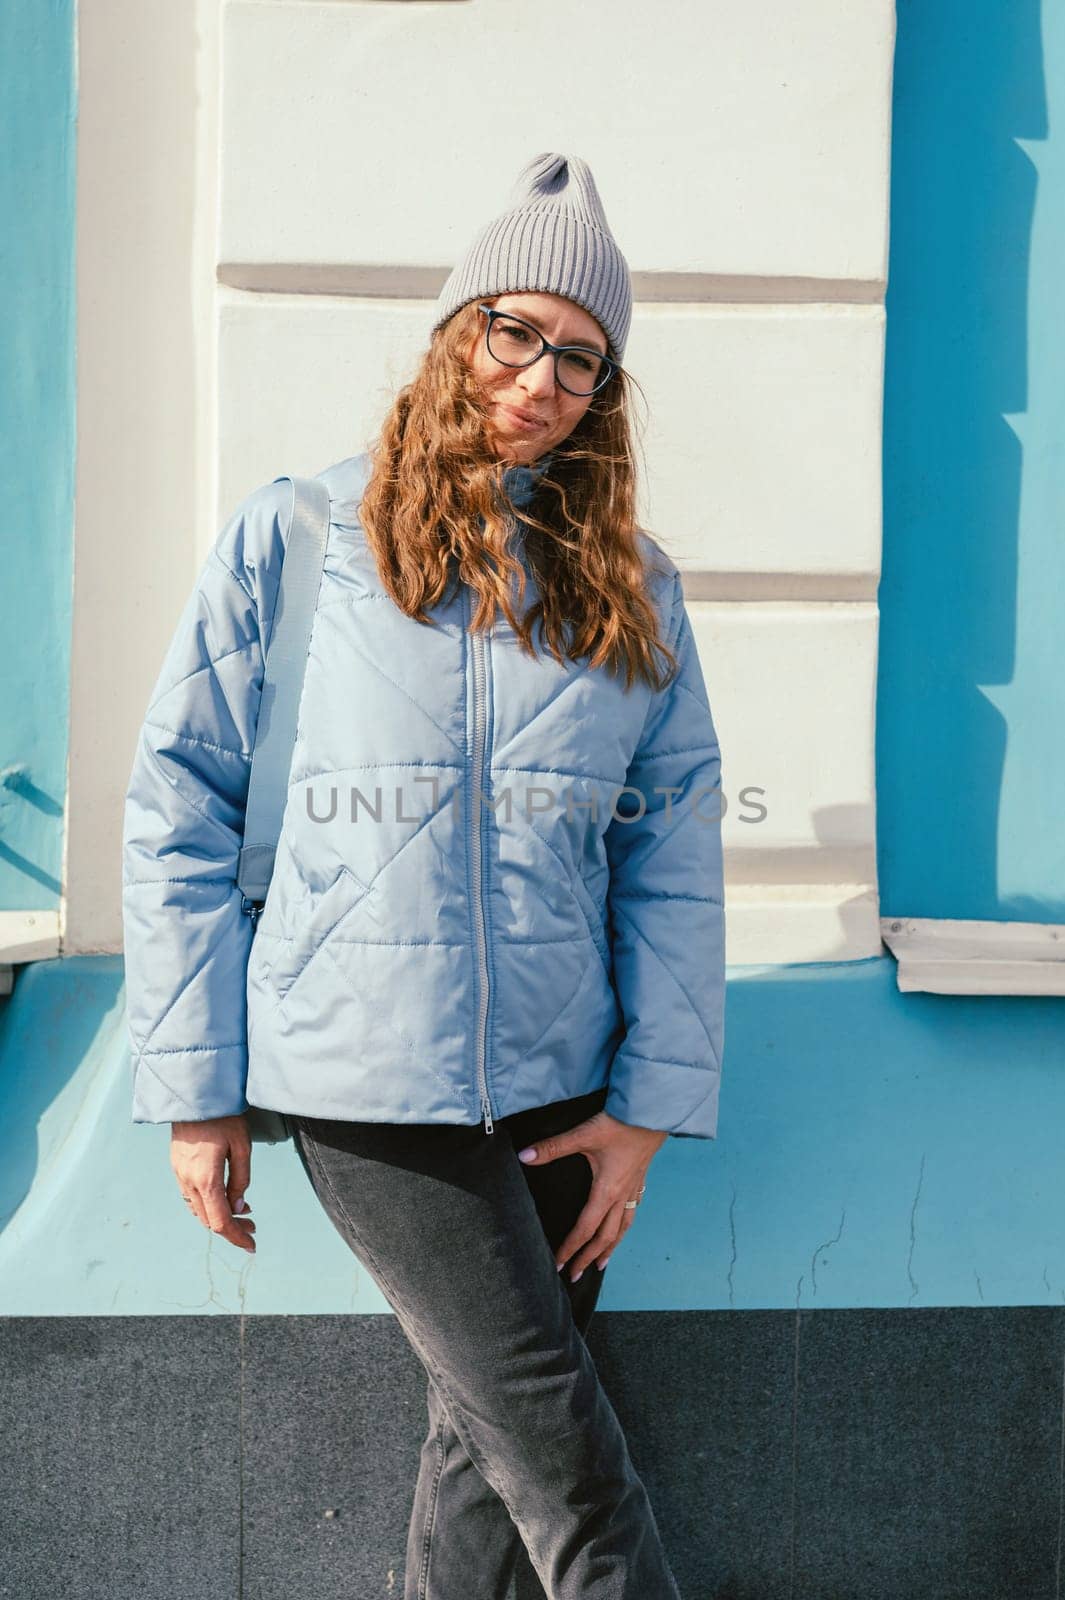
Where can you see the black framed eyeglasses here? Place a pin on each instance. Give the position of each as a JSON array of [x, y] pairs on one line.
[[513, 342]]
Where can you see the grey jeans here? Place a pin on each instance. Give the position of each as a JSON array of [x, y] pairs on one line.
[[524, 1475]]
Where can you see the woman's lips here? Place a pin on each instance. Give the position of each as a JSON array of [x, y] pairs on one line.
[[521, 419]]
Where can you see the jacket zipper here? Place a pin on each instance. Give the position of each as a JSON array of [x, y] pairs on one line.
[[480, 731]]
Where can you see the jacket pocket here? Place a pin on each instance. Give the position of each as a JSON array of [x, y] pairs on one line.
[[292, 956], [593, 917]]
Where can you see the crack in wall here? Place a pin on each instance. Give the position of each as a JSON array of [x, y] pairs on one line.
[[913, 1234], [823, 1247], [732, 1234]]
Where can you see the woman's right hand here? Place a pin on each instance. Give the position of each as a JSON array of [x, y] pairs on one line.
[[198, 1155]]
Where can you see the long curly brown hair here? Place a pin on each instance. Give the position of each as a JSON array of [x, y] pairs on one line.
[[435, 510]]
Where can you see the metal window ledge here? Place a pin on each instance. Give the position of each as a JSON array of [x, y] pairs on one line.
[[939, 956]]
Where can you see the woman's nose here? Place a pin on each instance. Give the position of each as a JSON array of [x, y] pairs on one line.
[[539, 379]]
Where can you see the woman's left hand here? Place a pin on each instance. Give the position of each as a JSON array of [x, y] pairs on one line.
[[620, 1155]]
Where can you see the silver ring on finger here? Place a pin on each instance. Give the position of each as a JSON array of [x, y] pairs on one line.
[[630, 1205]]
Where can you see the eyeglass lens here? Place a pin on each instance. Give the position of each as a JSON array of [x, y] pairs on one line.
[[517, 345]]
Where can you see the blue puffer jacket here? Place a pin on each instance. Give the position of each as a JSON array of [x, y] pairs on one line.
[[498, 883]]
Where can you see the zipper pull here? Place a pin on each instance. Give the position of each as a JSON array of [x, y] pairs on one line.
[[486, 1107]]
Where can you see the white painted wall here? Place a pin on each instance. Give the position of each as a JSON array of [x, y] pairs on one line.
[[726, 140], [743, 159], [147, 440]]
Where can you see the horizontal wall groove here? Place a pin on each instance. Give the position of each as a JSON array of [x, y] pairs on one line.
[[798, 588], [407, 282], [283, 4]]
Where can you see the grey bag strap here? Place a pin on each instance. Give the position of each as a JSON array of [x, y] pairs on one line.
[[286, 661]]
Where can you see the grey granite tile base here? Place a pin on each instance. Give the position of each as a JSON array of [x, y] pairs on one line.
[[705, 1401], [119, 1458], [842, 1455], [334, 1410], [928, 1455]]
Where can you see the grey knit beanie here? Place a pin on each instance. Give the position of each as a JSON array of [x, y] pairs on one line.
[[553, 237]]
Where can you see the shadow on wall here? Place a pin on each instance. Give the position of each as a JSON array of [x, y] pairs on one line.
[[967, 779], [44, 1048]]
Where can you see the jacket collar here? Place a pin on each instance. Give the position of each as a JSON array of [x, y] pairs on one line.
[[520, 481]]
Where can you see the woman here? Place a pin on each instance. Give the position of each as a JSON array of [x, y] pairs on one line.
[[487, 981]]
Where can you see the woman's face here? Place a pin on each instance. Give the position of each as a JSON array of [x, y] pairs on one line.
[[519, 393]]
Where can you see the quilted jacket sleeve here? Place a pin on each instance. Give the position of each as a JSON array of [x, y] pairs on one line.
[[186, 939], [666, 902]]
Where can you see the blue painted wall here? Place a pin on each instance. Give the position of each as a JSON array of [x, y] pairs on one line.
[[971, 701], [37, 195], [875, 1149]]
